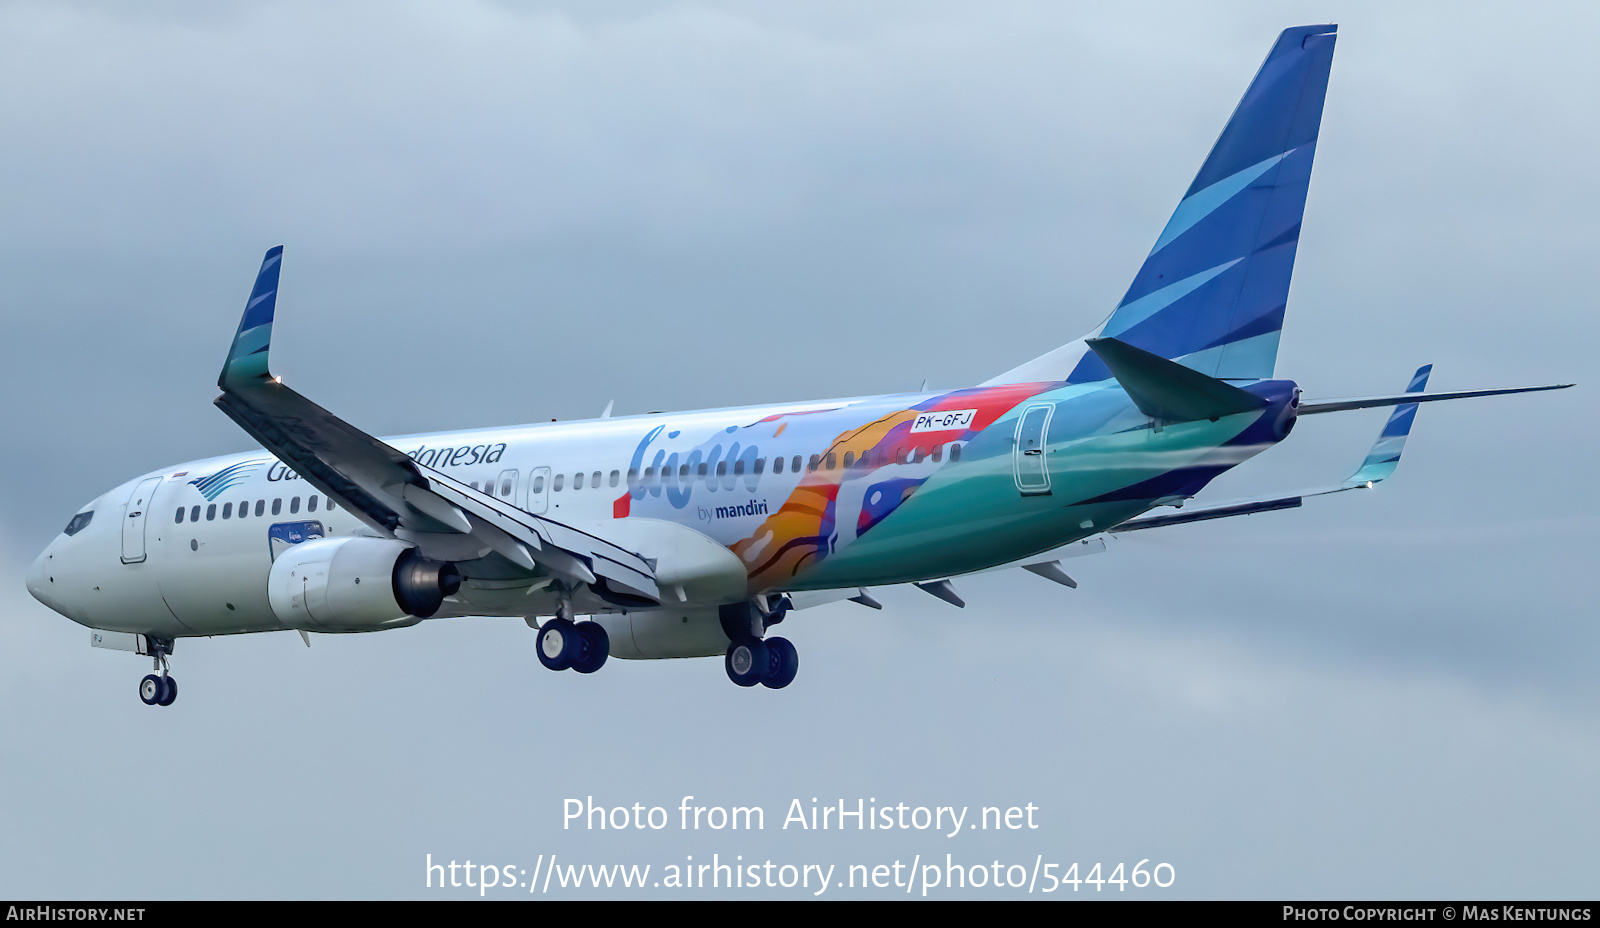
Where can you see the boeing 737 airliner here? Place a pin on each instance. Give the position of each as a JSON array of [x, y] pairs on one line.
[[693, 534]]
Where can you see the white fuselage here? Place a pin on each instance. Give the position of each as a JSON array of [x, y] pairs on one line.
[[163, 556]]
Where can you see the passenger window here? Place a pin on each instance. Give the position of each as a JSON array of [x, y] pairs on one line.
[[955, 452], [194, 514], [227, 510], [577, 481], [830, 460], [179, 516], [703, 470], [815, 460], [616, 476], [294, 504], [900, 455], [594, 480], [777, 465], [649, 474], [211, 512], [722, 468], [849, 459], [261, 506], [794, 465], [277, 506], [505, 487], [329, 503], [557, 484], [683, 472], [938, 453], [761, 465], [311, 504], [538, 484]]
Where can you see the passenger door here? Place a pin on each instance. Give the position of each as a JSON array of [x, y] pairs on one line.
[[1028, 459], [133, 519]]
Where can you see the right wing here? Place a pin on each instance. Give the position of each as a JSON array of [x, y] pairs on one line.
[[394, 495]]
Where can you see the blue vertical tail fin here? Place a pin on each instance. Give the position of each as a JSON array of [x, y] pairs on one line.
[[1212, 292]]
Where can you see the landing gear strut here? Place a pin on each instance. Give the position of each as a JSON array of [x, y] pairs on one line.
[[159, 688]]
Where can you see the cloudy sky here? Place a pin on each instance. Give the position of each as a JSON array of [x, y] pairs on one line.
[[499, 213]]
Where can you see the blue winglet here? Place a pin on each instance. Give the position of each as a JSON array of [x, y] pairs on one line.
[[1385, 454], [247, 359]]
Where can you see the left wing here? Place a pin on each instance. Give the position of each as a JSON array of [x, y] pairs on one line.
[[389, 491]]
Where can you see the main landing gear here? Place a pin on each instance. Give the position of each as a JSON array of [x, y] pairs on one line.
[[771, 662], [564, 643], [159, 688], [752, 658]]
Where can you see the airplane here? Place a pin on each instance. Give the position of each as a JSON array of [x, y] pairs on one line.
[[695, 534]]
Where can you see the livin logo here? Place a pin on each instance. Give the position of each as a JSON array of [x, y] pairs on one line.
[[218, 483]]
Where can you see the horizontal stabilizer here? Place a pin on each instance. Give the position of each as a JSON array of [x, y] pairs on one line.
[[1395, 399], [1167, 390], [1380, 462], [1213, 512]]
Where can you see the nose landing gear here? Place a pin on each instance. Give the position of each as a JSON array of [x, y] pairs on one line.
[[158, 691], [159, 688]]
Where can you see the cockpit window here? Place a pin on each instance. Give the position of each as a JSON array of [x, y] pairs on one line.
[[78, 523]]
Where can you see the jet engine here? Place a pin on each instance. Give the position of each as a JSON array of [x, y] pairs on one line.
[[357, 584]]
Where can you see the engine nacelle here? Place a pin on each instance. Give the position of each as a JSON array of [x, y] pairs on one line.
[[357, 584], [657, 633]]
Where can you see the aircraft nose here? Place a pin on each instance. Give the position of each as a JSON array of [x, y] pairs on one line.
[[39, 579]]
